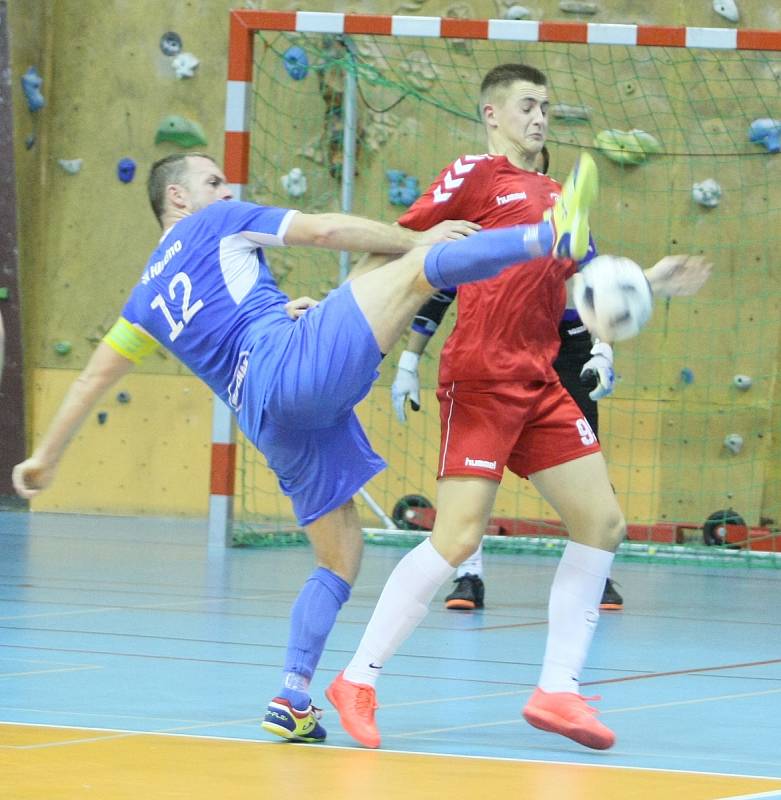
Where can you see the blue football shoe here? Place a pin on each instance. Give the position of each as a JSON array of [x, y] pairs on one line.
[[297, 726]]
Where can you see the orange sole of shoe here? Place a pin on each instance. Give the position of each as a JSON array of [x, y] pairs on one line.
[[461, 605]]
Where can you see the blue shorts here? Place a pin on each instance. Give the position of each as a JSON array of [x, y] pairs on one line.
[[310, 434]]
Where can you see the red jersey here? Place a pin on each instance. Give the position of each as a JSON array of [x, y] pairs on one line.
[[507, 327]]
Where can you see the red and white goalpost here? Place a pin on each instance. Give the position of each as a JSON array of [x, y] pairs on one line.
[[244, 25]]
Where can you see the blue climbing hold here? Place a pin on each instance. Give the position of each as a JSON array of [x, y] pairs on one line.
[[687, 376], [31, 86], [404, 189], [126, 170], [767, 132], [296, 62]]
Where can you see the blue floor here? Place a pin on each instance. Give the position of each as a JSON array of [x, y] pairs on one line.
[[133, 624]]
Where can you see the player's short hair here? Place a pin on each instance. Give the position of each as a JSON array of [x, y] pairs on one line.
[[165, 171], [506, 74]]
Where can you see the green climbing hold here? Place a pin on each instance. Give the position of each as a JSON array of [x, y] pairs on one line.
[[627, 147], [62, 348], [181, 131]]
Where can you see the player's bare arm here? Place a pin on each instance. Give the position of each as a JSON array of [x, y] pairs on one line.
[[679, 275], [356, 234], [104, 369]]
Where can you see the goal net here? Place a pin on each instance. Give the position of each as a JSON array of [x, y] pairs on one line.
[[689, 433]]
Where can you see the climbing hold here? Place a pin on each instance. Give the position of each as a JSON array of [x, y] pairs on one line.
[[727, 9], [123, 397], [181, 131], [404, 189], [626, 147], [742, 382], [766, 132], [4, 293], [102, 417], [296, 62], [733, 442], [517, 12], [707, 193], [564, 111], [29, 142], [126, 169], [184, 65], [171, 43], [294, 183], [71, 165], [687, 376], [575, 7], [31, 86], [62, 348]]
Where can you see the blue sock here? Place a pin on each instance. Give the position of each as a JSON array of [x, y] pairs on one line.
[[311, 620], [485, 253]]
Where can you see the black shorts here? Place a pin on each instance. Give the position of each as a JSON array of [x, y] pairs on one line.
[[575, 351]]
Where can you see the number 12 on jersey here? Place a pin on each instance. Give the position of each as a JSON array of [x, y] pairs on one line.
[[188, 311]]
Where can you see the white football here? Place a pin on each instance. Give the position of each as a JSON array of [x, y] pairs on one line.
[[613, 297]]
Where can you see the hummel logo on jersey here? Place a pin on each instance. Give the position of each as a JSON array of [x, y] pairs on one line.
[[508, 198], [479, 462], [454, 177], [236, 384]]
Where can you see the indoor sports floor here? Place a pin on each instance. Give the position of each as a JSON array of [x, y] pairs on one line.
[[135, 663]]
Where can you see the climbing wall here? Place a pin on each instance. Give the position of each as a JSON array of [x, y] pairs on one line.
[[108, 88]]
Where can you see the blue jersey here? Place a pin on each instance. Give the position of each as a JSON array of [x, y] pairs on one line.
[[208, 296]]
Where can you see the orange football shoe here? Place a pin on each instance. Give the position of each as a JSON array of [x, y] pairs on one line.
[[356, 703], [570, 715]]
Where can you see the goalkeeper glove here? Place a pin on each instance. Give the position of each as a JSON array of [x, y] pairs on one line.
[[406, 385], [598, 371]]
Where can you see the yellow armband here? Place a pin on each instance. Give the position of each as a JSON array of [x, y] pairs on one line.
[[130, 341]]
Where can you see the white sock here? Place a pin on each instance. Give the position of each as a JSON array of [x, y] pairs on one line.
[[472, 565], [573, 613], [402, 605]]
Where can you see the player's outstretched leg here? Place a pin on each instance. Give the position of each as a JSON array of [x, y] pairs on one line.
[[570, 214]]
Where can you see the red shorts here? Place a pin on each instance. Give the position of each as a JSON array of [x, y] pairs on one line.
[[526, 427]]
